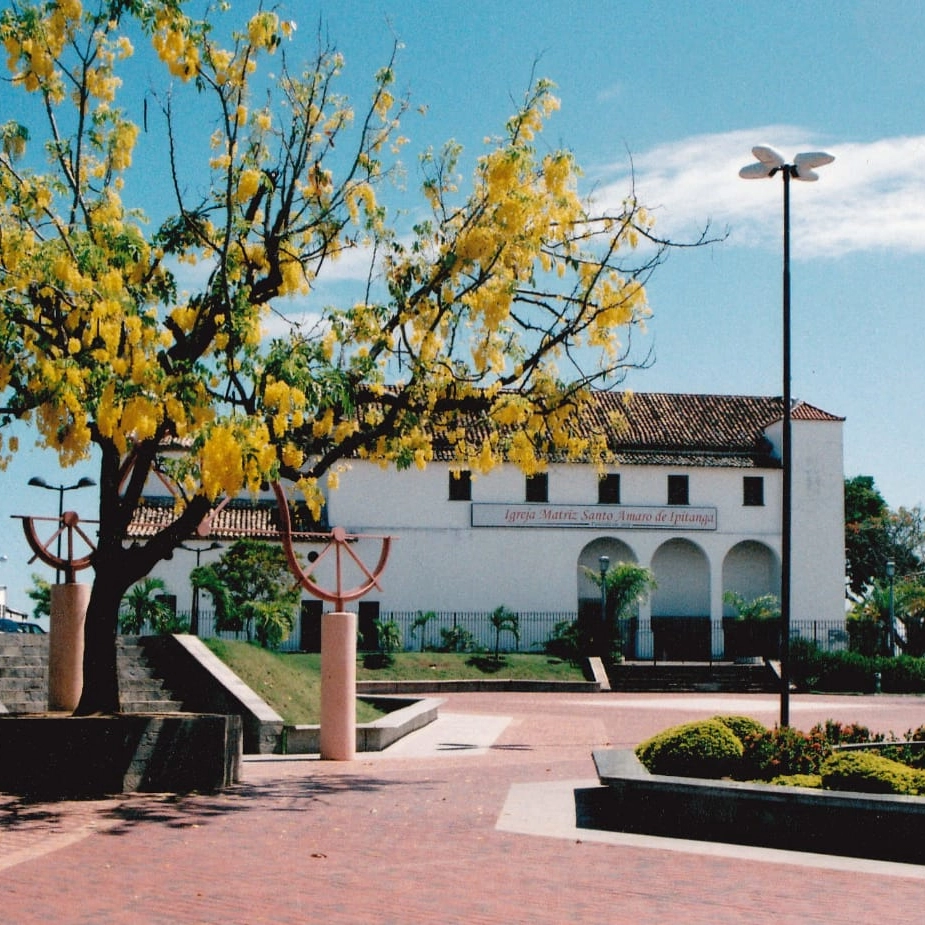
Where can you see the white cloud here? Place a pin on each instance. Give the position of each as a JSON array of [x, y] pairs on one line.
[[871, 197]]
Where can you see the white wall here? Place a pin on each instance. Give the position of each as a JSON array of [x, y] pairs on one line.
[[818, 561], [440, 562]]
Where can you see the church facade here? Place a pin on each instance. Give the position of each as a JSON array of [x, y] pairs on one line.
[[694, 494]]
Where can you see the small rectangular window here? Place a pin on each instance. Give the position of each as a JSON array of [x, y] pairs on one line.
[[753, 491], [538, 487], [608, 489], [678, 492], [461, 486]]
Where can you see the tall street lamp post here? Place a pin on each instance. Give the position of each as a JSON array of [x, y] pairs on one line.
[[771, 163], [39, 482], [194, 612], [891, 574], [603, 563]]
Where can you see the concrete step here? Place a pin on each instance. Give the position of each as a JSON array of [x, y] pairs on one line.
[[144, 693], [35, 672], [645, 677], [26, 696], [17, 651], [24, 676], [151, 706], [20, 684]]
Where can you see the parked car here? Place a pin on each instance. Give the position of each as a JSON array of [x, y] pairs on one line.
[[30, 628], [9, 626]]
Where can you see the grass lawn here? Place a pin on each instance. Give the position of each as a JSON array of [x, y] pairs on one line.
[[452, 666], [291, 682], [292, 686]]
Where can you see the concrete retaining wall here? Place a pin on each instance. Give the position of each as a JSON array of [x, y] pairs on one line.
[[404, 716], [206, 684], [885, 828], [481, 685], [61, 756]]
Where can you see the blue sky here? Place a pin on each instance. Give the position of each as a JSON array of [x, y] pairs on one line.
[[682, 91]]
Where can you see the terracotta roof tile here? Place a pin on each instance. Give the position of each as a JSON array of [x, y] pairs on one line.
[[678, 429], [253, 518], [662, 429]]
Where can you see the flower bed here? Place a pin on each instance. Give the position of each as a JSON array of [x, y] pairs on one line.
[[712, 780], [882, 827]]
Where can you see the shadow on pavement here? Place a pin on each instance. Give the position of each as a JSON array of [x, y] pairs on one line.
[[122, 813]]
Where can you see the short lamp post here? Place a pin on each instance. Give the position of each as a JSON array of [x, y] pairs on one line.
[[771, 163], [38, 482], [891, 575], [194, 612], [603, 563]]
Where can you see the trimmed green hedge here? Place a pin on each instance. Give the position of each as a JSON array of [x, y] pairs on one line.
[[744, 749], [811, 668], [866, 772], [705, 748], [742, 726]]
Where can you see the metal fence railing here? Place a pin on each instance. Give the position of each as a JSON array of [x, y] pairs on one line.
[[534, 628], [665, 639]]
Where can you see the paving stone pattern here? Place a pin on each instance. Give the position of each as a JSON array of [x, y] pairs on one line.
[[426, 834]]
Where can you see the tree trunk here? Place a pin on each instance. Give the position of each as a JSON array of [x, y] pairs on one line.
[[101, 679]]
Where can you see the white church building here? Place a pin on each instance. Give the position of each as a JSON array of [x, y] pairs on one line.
[[694, 494]]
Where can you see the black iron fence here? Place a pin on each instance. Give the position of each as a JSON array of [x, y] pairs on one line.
[[699, 639], [664, 639]]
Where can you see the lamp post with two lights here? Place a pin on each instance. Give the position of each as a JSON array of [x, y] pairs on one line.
[[770, 163]]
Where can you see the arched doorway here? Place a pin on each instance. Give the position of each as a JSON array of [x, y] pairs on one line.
[[681, 603], [590, 617], [751, 569]]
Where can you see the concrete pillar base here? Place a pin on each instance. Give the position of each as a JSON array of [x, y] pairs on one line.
[[338, 686], [66, 646]]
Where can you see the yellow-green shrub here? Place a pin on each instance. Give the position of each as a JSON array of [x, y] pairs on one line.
[[742, 726], [704, 748], [866, 772]]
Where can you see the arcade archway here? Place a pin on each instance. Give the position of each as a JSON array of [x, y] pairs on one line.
[[589, 593], [681, 603]]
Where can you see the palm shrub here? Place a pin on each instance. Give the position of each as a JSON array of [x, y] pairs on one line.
[[456, 639], [626, 585], [564, 641], [504, 621], [420, 623], [141, 606], [388, 636]]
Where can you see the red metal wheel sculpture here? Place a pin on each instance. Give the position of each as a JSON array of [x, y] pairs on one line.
[[340, 541], [70, 563]]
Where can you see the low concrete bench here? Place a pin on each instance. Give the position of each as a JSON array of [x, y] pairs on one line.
[[864, 825]]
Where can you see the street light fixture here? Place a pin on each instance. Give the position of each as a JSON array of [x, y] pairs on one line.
[[38, 482], [891, 574], [770, 162], [603, 564], [194, 613]]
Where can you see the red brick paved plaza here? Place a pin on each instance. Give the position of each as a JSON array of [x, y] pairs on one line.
[[470, 820]]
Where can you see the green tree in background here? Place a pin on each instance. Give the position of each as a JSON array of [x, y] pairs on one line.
[[875, 535], [252, 591], [40, 595]]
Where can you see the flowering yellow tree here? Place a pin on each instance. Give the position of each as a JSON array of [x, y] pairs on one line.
[[510, 302]]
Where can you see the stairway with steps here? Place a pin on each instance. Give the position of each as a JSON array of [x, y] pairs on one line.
[[24, 676], [23, 673], [689, 677]]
